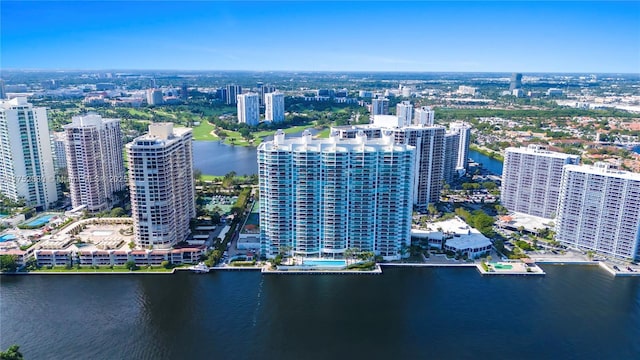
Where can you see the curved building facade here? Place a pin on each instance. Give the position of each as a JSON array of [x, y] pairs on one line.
[[319, 198]]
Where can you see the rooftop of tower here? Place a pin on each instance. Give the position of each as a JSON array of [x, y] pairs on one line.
[[333, 144]]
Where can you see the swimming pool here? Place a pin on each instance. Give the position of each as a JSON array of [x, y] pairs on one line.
[[7, 237], [40, 220], [324, 262]]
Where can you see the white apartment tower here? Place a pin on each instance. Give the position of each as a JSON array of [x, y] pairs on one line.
[[59, 148], [531, 179], [379, 106], [249, 109], [274, 107], [464, 130], [320, 197], [404, 112], [599, 209], [26, 158], [162, 186], [154, 97], [424, 116], [95, 163], [429, 145]]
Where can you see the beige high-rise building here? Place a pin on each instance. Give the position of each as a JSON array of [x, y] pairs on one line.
[[162, 185], [95, 165]]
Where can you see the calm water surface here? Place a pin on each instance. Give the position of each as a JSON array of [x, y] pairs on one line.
[[575, 312], [490, 164], [216, 158]]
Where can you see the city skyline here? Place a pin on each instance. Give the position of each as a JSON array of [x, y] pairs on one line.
[[433, 36]]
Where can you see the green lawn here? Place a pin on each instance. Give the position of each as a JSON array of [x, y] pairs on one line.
[[138, 112], [234, 137], [203, 131], [324, 134]]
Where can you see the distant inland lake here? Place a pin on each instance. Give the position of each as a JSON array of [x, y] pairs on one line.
[[217, 158]]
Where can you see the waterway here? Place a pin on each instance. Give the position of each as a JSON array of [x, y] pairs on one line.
[[574, 312], [487, 162], [216, 158]]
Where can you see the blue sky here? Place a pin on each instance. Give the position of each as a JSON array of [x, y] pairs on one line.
[[349, 36]]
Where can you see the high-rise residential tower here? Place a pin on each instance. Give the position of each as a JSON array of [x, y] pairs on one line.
[[424, 116], [464, 130], [379, 106], [429, 145], [95, 163], [404, 112], [531, 179], [232, 94], [599, 209], [162, 185], [516, 81], [429, 159], [263, 90], [59, 150], [184, 92], [26, 159], [154, 97], [321, 197], [249, 109], [451, 148], [274, 107]]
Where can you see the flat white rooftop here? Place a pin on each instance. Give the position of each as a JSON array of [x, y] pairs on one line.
[[529, 222], [464, 235]]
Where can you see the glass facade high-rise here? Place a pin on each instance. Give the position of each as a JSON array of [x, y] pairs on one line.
[[451, 148], [231, 94], [429, 160], [320, 197]]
